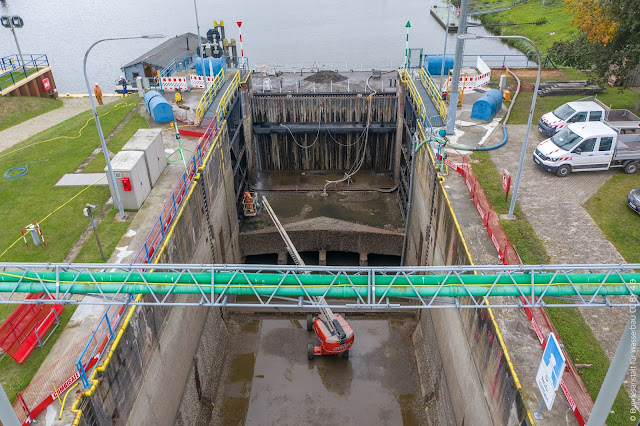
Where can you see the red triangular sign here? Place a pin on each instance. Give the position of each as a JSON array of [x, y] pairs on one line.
[[239, 23]]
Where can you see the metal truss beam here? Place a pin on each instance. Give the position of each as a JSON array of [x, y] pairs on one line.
[[270, 286]]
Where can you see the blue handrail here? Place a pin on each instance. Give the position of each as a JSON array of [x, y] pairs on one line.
[[13, 70]]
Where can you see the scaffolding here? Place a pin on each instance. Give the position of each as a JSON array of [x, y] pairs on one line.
[[296, 287]]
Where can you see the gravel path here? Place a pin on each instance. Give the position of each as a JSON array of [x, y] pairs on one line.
[[553, 206], [20, 132]]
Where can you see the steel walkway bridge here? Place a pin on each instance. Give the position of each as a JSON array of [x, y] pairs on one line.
[[294, 287]]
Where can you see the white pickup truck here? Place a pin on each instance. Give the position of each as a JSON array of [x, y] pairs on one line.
[[590, 146], [581, 111]]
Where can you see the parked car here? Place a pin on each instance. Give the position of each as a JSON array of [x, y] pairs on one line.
[[633, 200]]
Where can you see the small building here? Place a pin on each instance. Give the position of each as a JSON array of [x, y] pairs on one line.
[[148, 64]]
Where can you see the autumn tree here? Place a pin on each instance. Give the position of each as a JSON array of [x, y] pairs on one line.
[[610, 38]]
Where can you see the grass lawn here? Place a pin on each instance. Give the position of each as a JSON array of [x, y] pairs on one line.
[[14, 376], [613, 97], [16, 109], [557, 25], [576, 335], [609, 210], [33, 197], [519, 231], [110, 232], [98, 164]]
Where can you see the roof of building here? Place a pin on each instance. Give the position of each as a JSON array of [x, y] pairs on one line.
[[175, 47]]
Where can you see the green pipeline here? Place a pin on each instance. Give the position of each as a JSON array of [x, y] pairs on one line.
[[342, 285]]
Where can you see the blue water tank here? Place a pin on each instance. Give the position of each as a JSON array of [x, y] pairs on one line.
[[209, 63], [488, 105], [158, 107], [434, 64]]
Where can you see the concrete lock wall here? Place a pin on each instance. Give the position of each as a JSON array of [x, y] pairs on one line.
[[476, 386], [150, 366]]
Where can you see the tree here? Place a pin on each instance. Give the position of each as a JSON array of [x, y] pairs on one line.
[[609, 43]]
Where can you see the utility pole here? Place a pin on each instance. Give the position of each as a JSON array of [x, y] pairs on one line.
[[457, 64]]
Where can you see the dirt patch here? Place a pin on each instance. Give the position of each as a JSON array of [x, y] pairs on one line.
[[528, 76], [326, 77]]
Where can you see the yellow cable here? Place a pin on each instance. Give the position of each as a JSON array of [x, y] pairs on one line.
[[64, 400], [117, 107], [58, 208]]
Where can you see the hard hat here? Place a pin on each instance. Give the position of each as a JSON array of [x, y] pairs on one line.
[[96, 84]]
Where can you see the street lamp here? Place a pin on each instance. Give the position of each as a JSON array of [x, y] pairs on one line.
[[114, 187], [533, 105], [204, 74]]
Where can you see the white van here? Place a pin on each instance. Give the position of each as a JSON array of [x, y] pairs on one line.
[[571, 112], [590, 146]]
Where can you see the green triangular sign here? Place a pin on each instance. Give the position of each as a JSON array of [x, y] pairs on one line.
[[408, 25]]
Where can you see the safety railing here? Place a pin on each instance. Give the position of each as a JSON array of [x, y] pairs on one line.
[[12, 70], [178, 64], [170, 209], [101, 335], [434, 93], [416, 99], [521, 60], [228, 95], [209, 95]]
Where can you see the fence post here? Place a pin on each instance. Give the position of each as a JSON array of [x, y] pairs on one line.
[[106, 317]]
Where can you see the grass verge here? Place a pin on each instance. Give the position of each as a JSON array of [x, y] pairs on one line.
[[136, 122], [14, 376], [33, 197], [110, 232], [576, 335], [609, 210], [16, 109], [555, 24]]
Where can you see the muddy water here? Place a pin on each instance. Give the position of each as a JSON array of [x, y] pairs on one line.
[[271, 381]]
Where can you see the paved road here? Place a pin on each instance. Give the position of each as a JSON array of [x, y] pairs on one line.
[[26, 129], [553, 206]]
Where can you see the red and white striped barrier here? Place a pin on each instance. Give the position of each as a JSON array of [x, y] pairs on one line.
[[197, 81], [475, 81], [175, 83]]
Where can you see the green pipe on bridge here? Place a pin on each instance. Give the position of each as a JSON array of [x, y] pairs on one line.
[[317, 284]]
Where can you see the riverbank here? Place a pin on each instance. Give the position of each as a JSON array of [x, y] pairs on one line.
[[543, 21]]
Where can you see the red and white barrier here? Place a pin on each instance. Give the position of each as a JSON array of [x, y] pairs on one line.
[[197, 81], [175, 83], [475, 81]]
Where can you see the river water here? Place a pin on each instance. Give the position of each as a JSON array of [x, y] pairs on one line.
[[338, 34]]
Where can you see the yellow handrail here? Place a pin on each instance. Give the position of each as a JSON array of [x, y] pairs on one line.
[[228, 95], [434, 93], [414, 95], [209, 95]]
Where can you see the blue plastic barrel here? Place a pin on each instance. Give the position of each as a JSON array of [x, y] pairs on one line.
[[488, 105], [215, 64], [158, 107], [434, 64]]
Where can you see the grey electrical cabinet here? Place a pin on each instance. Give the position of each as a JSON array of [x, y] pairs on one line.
[[132, 179], [149, 141]]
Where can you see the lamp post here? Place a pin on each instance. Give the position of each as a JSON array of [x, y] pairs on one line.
[[13, 22], [112, 178], [533, 105], [204, 74]]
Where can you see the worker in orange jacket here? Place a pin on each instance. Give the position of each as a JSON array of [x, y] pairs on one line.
[[98, 92]]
